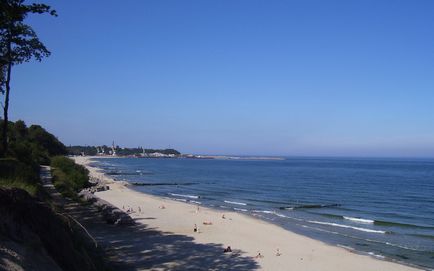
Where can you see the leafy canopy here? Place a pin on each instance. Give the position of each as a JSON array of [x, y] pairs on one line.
[[18, 41]]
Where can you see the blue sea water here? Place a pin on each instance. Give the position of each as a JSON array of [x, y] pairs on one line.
[[381, 207]]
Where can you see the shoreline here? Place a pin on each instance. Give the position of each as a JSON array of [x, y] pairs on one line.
[[246, 234]]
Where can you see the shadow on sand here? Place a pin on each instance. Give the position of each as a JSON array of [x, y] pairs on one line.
[[139, 247]]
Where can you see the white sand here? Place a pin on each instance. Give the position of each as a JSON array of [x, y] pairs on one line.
[[243, 233]]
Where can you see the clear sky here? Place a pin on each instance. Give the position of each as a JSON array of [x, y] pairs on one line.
[[338, 78]]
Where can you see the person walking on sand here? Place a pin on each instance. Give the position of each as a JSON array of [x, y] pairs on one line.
[[278, 252], [196, 228]]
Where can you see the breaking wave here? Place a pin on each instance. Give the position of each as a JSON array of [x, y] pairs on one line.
[[184, 196], [236, 203], [346, 226]]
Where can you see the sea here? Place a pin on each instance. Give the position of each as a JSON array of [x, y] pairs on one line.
[[379, 207]]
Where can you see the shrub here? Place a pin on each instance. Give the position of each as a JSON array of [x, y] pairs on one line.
[[68, 177]]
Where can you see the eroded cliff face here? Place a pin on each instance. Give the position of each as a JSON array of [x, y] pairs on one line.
[[34, 237], [21, 256]]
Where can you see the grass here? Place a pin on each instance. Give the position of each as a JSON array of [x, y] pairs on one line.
[[32, 189], [16, 174]]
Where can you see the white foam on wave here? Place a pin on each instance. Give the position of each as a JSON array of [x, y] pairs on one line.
[[197, 202], [359, 220], [240, 209], [269, 212], [262, 211], [346, 226], [376, 255], [322, 230], [280, 215], [401, 246], [183, 200], [235, 202], [184, 196]]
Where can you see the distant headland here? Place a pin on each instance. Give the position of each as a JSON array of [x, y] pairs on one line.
[[113, 150], [139, 152]]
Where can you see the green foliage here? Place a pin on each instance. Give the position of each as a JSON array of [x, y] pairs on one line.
[[46, 141], [33, 145], [68, 177], [14, 173], [165, 151], [78, 150], [31, 188], [18, 40], [28, 148]]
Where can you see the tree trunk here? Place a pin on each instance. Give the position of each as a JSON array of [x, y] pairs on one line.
[[6, 105]]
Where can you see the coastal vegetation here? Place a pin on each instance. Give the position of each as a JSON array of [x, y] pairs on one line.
[[68, 177], [16, 174], [32, 225], [29, 147]]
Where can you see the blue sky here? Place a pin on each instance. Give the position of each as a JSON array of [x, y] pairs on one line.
[[333, 78]]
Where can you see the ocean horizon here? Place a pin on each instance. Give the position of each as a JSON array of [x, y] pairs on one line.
[[361, 157]]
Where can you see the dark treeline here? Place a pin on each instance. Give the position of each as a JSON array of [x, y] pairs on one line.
[[92, 150], [29, 147], [34, 142]]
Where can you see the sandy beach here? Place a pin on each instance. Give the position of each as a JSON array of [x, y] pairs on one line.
[[279, 249]]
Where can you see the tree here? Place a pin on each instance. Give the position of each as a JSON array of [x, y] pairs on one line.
[[18, 44]]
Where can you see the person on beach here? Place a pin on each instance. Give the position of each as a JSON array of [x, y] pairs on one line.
[[259, 256], [207, 223], [223, 216], [196, 228], [278, 253], [162, 207], [228, 249], [140, 210]]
